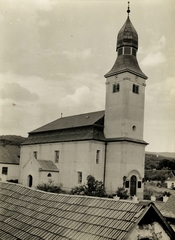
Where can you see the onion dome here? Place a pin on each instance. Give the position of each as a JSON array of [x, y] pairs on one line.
[[127, 36], [127, 46]]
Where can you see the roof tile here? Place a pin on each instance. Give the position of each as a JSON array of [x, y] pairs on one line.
[[33, 214]]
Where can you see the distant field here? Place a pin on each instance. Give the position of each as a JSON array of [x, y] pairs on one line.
[[157, 190], [164, 154]]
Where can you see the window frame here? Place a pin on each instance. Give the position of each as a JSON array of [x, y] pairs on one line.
[[127, 50], [134, 52], [57, 156], [35, 154], [120, 51], [135, 88], [5, 171], [80, 177], [116, 87], [97, 159]]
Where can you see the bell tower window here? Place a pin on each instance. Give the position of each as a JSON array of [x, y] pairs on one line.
[[134, 52], [135, 89], [120, 51], [127, 51], [116, 88]]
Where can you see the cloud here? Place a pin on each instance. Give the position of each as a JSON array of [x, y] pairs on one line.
[[154, 53], [15, 92], [43, 23], [74, 54], [158, 45], [153, 59]]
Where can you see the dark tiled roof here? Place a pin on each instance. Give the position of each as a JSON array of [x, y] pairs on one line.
[[80, 120], [168, 208], [64, 135], [9, 154], [46, 165], [126, 63], [31, 214], [171, 179], [88, 126]]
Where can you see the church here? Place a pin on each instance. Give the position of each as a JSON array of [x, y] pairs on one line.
[[106, 144]]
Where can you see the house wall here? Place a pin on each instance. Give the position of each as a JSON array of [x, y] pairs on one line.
[[13, 172], [170, 183], [79, 156], [150, 231], [124, 159]]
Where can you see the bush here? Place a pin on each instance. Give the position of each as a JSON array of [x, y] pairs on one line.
[[122, 193], [91, 188], [50, 187], [13, 180], [168, 194]]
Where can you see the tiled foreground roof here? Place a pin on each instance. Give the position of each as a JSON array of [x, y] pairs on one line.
[[9, 154], [31, 215], [168, 208]]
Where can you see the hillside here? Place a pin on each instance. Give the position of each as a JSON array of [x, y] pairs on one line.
[[11, 140], [153, 160], [164, 154]]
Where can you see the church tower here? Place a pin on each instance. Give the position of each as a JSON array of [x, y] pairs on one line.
[[124, 116]]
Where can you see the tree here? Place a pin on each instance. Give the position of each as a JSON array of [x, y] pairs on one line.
[[91, 188], [50, 187], [122, 193]]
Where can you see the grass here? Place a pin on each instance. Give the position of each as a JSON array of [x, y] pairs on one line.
[[151, 188]]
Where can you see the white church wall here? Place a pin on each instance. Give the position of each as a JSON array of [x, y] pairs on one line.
[[74, 157], [124, 109], [124, 160]]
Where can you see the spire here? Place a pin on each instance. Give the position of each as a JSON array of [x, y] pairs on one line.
[[128, 11], [127, 46], [127, 35]]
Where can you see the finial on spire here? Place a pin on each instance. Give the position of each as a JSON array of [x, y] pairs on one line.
[[128, 11]]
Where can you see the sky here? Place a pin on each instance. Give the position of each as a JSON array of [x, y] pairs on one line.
[[54, 55]]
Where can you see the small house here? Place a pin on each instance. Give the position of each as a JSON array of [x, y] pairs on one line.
[[171, 183]]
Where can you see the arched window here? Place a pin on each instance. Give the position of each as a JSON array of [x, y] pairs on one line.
[[133, 185], [30, 180], [49, 175]]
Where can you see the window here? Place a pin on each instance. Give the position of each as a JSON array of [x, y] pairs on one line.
[[57, 155], [35, 154], [97, 156], [139, 184], [5, 170], [134, 52], [135, 89], [127, 184], [120, 51], [79, 177], [116, 88], [49, 175], [133, 185], [134, 128], [127, 50]]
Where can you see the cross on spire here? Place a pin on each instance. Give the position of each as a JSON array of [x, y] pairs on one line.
[[128, 11]]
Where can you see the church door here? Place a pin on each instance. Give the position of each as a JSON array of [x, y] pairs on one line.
[[30, 180], [133, 185]]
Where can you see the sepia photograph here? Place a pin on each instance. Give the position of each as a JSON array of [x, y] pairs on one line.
[[87, 119]]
